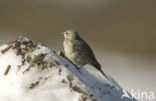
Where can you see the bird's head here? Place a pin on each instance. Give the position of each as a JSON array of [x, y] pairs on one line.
[[71, 34]]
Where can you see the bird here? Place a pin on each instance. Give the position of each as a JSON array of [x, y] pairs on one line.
[[78, 51]]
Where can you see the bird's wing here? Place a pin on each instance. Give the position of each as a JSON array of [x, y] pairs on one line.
[[82, 46]]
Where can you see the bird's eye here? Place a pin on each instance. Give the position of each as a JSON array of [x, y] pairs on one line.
[[66, 32]]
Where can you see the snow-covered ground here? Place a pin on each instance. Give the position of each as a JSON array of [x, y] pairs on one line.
[[30, 71]]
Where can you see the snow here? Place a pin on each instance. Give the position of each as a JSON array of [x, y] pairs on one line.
[[30, 71]]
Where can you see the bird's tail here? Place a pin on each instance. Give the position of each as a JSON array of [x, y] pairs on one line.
[[98, 66], [103, 74]]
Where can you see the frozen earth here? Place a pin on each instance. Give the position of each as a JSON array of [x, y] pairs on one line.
[[30, 71]]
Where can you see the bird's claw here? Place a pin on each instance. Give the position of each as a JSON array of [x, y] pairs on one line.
[[78, 68]]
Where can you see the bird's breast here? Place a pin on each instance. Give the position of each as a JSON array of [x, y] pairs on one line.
[[68, 48]]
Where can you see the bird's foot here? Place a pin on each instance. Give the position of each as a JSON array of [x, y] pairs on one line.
[[78, 67]]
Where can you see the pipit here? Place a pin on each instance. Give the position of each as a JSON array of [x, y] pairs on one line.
[[78, 51]]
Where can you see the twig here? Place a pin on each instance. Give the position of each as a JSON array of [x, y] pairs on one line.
[[6, 49], [7, 70]]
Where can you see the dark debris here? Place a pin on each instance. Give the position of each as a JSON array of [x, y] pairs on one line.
[[64, 81], [60, 70], [33, 85], [77, 89], [83, 98], [24, 47], [70, 79], [7, 70], [6, 49]]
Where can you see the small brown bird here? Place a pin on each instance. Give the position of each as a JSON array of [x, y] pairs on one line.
[[78, 51]]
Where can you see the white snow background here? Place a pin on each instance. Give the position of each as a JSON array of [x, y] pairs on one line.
[[30, 71]]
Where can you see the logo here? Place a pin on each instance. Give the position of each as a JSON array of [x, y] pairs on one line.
[[139, 95]]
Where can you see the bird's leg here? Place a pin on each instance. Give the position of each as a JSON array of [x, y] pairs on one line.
[[60, 53], [78, 67]]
